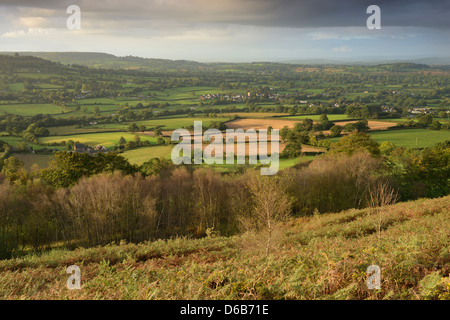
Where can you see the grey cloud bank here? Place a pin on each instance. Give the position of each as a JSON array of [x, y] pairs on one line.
[[245, 30], [271, 13]]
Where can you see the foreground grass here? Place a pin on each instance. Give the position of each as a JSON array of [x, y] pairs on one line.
[[319, 257]]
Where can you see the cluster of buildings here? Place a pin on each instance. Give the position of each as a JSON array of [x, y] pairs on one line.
[[82, 148], [238, 97], [423, 110], [84, 94]]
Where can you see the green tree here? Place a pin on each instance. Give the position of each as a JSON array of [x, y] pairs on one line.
[[355, 142], [158, 132], [292, 150], [336, 130], [284, 133], [130, 145], [436, 125], [362, 126], [432, 168], [68, 167], [157, 166], [425, 120], [13, 169], [133, 128], [387, 147], [307, 124], [137, 140]]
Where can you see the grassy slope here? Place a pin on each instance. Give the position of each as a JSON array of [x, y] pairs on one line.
[[141, 155], [320, 257], [107, 139], [410, 138], [31, 109]]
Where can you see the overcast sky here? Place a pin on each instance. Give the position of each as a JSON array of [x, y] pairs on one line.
[[230, 30]]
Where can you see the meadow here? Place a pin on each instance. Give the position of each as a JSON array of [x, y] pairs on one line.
[[411, 138], [141, 155], [181, 122], [31, 109], [71, 130], [408, 138], [106, 139]]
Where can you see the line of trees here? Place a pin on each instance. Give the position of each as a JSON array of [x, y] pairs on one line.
[[83, 200]]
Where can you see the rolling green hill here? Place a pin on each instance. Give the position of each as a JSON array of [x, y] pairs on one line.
[[104, 60]]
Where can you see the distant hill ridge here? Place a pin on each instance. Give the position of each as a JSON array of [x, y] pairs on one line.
[[109, 61], [105, 60]]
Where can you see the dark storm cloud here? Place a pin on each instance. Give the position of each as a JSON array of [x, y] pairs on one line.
[[270, 13]]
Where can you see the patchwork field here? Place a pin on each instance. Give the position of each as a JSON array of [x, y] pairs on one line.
[[108, 139], [412, 138], [254, 115], [409, 138], [177, 123], [373, 125], [31, 109], [257, 124], [71, 130], [331, 117], [141, 155]]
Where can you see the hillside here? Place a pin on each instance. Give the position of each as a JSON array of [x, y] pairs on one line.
[[109, 61], [105, 60], [319, 257]]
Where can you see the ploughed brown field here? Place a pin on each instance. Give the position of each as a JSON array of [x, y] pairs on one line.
[[252, 148], [257, 124], [373, 125]]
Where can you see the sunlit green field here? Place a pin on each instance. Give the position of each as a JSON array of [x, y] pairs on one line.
[[31, 109], [254, 115], [409, 138], [108, 139], [16, 86], [141, 155], [177, 123], [412, 138], [71, 130]]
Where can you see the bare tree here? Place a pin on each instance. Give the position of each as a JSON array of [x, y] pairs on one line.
[[271, 207], [380, 195]]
